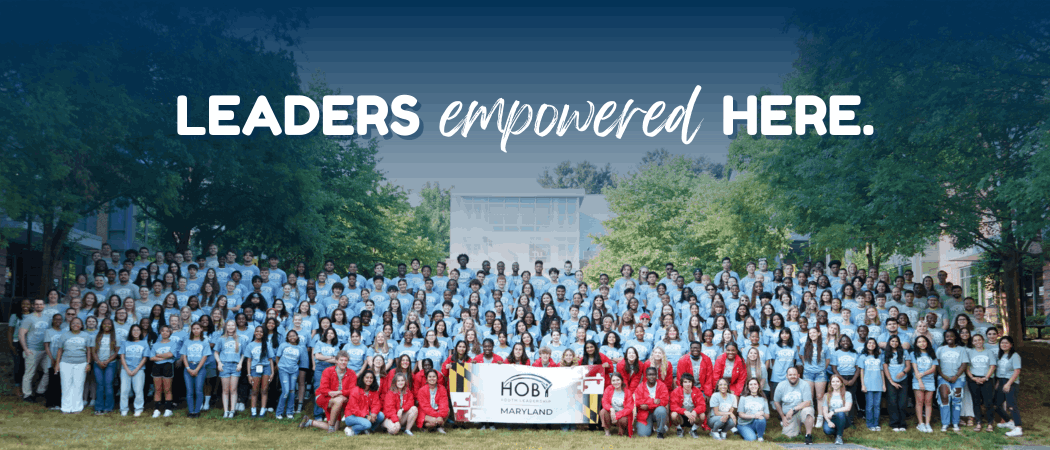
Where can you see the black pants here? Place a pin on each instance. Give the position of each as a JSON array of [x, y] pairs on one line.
[[1012, 412], [53, 395], [19, 368], [983, 396], [897, 404], [858, 398], [244, 386]]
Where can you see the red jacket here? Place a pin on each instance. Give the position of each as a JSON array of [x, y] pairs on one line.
[[641, 397], [668, 380], [445, 368], [330, 382], [631, 380], [393, 402], [628, 406], [678, 400], [539, 363], [363, 402], [420, 379], [425, 409], [706, 380], [496, 359], [736, 384]]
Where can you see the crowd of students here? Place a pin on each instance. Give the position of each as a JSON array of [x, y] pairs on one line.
[[716, 355]]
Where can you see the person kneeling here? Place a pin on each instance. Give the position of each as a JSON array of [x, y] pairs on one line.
[[617, 406], [688, 406], [651, 399], [836, 406]]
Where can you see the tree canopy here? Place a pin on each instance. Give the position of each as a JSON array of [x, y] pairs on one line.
[[583, 175]]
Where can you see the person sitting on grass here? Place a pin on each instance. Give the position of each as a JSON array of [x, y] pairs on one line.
[[332, 394]]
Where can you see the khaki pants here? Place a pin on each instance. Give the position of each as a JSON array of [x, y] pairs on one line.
[[38, 361], [794, 426]]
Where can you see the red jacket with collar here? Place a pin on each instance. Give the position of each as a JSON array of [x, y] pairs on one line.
[[628, 406], [706, 379], [496, 359], [425, 409], [736, 384], [388, 381], [678, 400], [633, 379], [668, 380], [330, 382], [642, 397], [393, 402], [363, 402]]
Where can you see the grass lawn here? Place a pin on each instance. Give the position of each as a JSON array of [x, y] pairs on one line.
[[24, 425]]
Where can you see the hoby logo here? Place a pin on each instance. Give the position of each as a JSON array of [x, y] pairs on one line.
[[526, 385]]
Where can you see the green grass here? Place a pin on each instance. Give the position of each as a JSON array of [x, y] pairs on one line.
[[29, 426]]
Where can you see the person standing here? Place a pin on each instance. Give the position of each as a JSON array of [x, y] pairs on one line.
[[195, 354], [104, 353], [163, 353], [73, 358], [133, 353], [981, 381], [1008, 374], [31, 334], [873, 384]]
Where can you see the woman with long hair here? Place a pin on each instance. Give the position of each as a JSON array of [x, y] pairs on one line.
[[399, 405], [664, 368], [291, 355], [618, 406], [1008, 374], [873, 384], [260, 369], [896, 365], [924, 363], [723, 407], [104, 351], [195, 354], [517, 355], [756, 369], [133, 353], [752, 411], [363, 412], [433, 403], [837, 405], [980, 374]]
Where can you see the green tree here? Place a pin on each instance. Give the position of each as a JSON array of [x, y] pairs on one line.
[[433, 214], [62, 126], [700, 164], [583, 175], [960, 111]]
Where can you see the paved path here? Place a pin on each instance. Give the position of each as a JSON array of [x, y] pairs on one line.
[[1026, 447], [846, 446]]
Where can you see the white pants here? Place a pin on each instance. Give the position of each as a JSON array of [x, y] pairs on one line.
[[73, 376], [38, 361], [127, 383]]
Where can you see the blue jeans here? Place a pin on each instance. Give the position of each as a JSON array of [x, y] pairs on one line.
[[753, 430], [194, 389], [359, 424], [104, 398], [289, 385], [871, 408], [951, 407], [318, 370], [841, 421], [657, 419]]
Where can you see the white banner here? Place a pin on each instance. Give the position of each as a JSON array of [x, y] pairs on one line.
[[507, 393]]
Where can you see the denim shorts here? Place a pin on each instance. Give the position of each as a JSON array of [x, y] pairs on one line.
[[815, 377], [229, 369], [253, 370]]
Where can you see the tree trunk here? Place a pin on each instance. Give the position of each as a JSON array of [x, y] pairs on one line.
[[53, 243], [182, 240], [1011, 287]]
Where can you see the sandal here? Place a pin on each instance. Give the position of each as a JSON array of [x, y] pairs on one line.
[[989, 429], [977, 429], [969, 422]]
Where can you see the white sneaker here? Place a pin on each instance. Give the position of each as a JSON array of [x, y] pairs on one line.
[[723, 434], [269, 410], [167, 413], [955, 428], [944, 428], [761, 440], [441, 430], [240, 407], [409, 433], [138, 412], [124, 413], [349, 432], [820, 421], [1009, 425], [156, 413], [1016, 432], [878, 428]]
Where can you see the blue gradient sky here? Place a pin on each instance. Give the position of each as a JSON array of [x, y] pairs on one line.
[[544, 55]]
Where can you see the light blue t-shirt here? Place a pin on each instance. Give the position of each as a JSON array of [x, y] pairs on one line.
[[291, 357], [981, 361], [872, 372], [134, 352], [195, 351], [950, 359], [160, 348], [74, 347], [791, 396], [357, 355], [1006, 365], [923, 362], [845, 362], [895, 368], [783, 358]]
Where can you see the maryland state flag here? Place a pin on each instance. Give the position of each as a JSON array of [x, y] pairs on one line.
[[459, 378]]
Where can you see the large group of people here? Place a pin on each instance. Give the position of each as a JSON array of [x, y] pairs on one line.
[[817, 344]]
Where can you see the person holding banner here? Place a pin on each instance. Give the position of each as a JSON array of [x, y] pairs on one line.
[[651, 399], [433, 404], [617, 406], [544, 359], [517, 356], [688, 406]]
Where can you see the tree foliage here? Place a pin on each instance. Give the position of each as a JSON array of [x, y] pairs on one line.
[[699, 165], [433, 215], [669, 213], [959, 106], [583, 175]]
